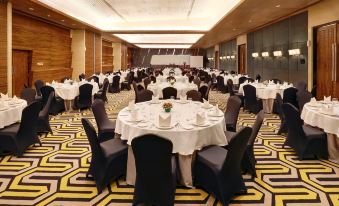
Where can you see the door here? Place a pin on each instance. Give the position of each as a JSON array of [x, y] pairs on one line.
[[326, 74], [242, 59], [21, 68]]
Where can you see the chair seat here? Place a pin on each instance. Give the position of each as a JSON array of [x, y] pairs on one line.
[[213, 156], [11, 130], [313, 133], [113, 147]]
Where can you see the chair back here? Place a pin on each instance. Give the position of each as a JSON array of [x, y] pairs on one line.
[[144, 96], [28, 94], [153, 162], [232, 111], [153, 79], [45, 110], [45, 92], [190, 79], [256, 127], [250, 95], [290, 96], [230, 87], [82, 76], [279, 108], [303, 97], [168, 92], [276, 81], [147, 81], [85, 93], [301, 86], [64, 79], [220, 83], [258, 77], [235, 152], [105, 86], [242, 79], [203, 91], [93, 140], [194, 95], [96, 79], [197, 81], [29, 121], [38, 84], [116, 82], [99, 112]]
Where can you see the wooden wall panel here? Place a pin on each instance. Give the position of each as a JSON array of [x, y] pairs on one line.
[[89, 54], [98, 53], [50, 46], [3, 46], [107, 56]]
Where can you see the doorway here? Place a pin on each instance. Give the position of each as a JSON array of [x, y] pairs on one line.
[[242, 59], [326, 56], [21, 67]]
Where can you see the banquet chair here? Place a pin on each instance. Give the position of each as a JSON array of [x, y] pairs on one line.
[[307, 141], [218, 170], [251, 102], [258, 77], [250, 80], [43, 120], [197, 81], [283, 124], [82, 76], [232, 113], [303, 97], [38, 84], [155, 171], [194, 95], [126, 84], [153, 79], [314, 91], [276, 81], [115, 86], [242, 79], [144, 96], [147, 81], [169, 92], [102, 93], [105, 126], [95, 79], [140, 87], [190, 79], [57, 103], [28, 94], [17, 137], [84, 99], [301, 86], [290, 96], [64, 79], [205, 90], [109, 158], [221, 85], [230, 87]]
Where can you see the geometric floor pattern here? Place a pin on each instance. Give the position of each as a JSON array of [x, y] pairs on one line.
[[54, 173]]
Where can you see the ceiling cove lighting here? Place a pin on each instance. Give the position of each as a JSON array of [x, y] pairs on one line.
[[277, 53], [167, 46], [160, 38], [256, 54], [293, 52], [141, 15], [265, 54]]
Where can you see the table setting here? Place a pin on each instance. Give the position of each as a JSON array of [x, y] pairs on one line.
[[324, 114], [189, 125], [10, 110], [182, 88]]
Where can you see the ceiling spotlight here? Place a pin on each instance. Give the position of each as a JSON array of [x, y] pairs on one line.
[[277, 6], [32, 9], [62, 20]]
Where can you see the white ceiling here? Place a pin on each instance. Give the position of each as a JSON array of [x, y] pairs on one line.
[[160, 38], [147, 15]]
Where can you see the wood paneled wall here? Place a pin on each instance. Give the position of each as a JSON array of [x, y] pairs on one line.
[[89, 54], [3, 46], [288, 34], [142, 57], [50, 46], [107, 56], [228, 48], [124, 56], [98, 53]]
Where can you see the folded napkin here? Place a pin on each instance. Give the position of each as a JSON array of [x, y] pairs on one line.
[[53, 82], [278, 85], [206, 103], [92, 80], [134, 114], [285, 84], [165, 120], [183, 98], [4, 96], [15, 98], [131, 105], [155, 99], [246, 81], [83, 80], [201, 118], [313, 100], [327, 99], [216, 110]]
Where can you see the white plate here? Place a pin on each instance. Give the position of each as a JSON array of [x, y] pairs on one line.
[[214, 115], [134, 120], [187, 126], [202, 125], [169, 127]]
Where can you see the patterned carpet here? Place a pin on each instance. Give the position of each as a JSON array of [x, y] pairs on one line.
[[54, 173]]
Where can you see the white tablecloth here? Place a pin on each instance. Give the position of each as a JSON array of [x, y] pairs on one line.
[[69, 92], [182, 88], [177, 71], [266, 93], [330, 124], [182, 79], [185, 142], [235, 78], [12, 114]]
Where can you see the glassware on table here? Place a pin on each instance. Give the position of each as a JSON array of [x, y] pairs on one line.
[[335, 100]]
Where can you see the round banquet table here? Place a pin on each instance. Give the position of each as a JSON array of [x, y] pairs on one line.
[[102, 77], [185, 140], [69, 92], [182, 79], [12, 112], [313, 116], [235, 78], [177, 71], [182, 88], [266, 93]]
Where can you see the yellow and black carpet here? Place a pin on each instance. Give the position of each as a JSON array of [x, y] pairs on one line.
[[54, 173]]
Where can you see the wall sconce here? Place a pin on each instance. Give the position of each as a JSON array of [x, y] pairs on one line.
[[277, 53], [265, 54], [228, 57], [293, 52], [256, 54], [224, 57], [232, 57]]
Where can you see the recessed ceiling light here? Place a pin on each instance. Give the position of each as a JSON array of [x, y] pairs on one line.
[[277, 6], [32, 9], [62, 20]]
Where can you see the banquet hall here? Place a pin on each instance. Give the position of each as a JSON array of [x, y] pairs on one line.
[[169, 102]]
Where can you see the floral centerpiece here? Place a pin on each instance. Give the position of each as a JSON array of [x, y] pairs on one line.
[[167, 106]]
